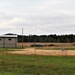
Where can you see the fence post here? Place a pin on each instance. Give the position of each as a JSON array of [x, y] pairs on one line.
[[62, 50]]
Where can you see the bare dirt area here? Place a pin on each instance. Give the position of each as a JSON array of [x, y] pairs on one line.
[[34, 51]]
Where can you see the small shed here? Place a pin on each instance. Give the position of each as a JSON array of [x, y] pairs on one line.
[[8, 41]]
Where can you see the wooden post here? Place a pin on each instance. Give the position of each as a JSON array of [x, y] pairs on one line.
[[22, 37]]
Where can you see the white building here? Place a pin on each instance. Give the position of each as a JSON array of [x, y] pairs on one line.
[[8, 41]]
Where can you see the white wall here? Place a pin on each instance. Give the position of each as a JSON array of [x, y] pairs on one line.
[[6, 42]]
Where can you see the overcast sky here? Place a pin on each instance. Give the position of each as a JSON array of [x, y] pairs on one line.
[[41, 17]]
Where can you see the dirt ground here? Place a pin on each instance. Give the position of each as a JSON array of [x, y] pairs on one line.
[[34, 51]]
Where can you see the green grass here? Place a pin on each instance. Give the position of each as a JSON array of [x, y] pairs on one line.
[[36, 65]]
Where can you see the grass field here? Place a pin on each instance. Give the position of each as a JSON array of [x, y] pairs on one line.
[[57, 46], [16, 64], [36, 65], [11, 49]]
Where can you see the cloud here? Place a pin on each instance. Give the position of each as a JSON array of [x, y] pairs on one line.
[[37, 17]]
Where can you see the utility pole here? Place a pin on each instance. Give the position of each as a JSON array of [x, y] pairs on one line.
[[22, 37]]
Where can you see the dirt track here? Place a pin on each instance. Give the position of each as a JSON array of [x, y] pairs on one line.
[[33, 51]]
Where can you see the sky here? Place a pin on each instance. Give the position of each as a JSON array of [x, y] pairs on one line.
[[37, 17]]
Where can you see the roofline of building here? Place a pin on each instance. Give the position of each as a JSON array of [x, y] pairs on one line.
[[8, 36]]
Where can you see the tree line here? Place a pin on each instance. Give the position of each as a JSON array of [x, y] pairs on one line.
[[47, 38]]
